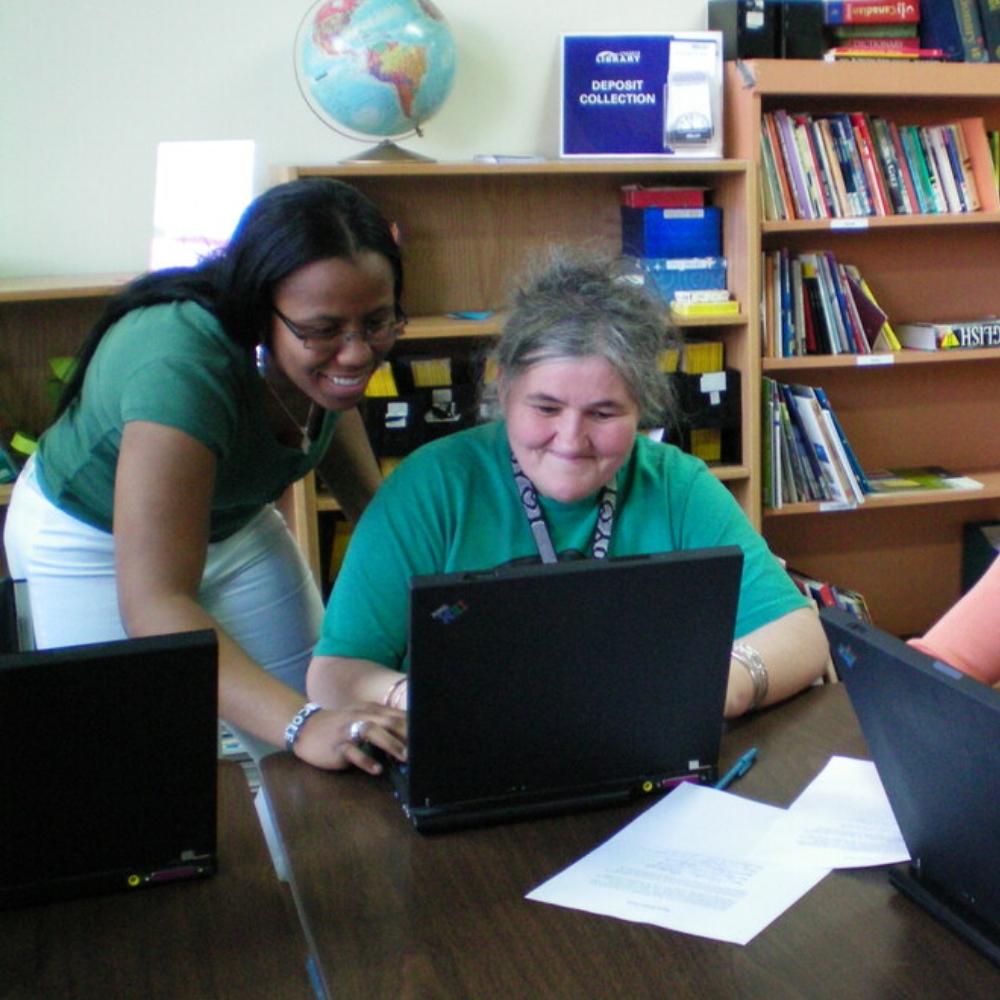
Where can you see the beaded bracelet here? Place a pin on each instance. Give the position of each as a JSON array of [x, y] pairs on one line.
[[754, 664], [298, 720]]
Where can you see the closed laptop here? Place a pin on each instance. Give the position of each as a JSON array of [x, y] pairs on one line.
[[108, 764], [543, 688], [934, 735]]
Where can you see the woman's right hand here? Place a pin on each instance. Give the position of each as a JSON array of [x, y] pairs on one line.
[[337, 739]]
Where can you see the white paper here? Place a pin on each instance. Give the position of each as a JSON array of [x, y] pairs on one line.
[[842, 820], [202, 188], [685, 864]]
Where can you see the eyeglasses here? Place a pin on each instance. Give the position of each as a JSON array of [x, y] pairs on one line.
[[379, 334]]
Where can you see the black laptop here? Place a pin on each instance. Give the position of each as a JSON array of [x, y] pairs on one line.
[[548, 688], [108, 765], [934, 735]]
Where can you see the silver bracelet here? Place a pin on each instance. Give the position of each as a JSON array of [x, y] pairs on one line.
[[298, 721], [391, 695], [754, 664]]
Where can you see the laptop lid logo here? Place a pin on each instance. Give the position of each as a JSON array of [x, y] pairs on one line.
[[448, 613]]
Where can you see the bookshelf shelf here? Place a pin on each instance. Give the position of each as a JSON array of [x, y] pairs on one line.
[[906, 409], [876, 502], [822, 362], [859, 226]]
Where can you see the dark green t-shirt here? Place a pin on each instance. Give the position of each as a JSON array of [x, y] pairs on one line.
[[172, 365]]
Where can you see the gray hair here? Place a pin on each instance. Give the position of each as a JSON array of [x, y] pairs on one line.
[[581, 306]]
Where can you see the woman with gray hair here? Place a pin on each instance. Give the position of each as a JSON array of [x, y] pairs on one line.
[[564, 474]]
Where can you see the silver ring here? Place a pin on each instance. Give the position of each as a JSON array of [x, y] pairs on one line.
[[356, 734]]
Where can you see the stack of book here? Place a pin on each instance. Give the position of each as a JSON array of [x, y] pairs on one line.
[[677, 235], [855, 164], [875, 29], [813, 304], [807, 457], [824, 594]]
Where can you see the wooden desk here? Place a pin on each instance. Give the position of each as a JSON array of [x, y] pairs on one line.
[[233, 936], [390, 913]]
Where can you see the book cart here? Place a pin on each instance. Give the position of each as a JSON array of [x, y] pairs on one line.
[[908, 408]]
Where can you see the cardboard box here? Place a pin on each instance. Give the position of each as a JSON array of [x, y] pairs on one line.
[[651, 95]]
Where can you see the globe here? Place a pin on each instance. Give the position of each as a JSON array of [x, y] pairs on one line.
[[378, 68]]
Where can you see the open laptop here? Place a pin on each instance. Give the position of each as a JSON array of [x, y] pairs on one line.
[[934, 735], [108, 766], [546, 688]]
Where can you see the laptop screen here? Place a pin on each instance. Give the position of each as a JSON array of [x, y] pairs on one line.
[[108, 758], [541, 684], [934, 735]]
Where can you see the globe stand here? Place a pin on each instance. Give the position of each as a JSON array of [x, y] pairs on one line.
[[386, 152]]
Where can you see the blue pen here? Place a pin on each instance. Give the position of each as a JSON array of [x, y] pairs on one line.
[[738, 769]]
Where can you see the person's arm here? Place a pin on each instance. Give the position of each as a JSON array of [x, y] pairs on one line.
[[967, 636], [349, 467], [794, 652], [163, 492], [334, 681]]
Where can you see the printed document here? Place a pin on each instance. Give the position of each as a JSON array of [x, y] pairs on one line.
[[842, 820], [686, 864]]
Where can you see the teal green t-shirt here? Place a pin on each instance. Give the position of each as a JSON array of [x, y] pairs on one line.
[[173, 365], [453, 506]]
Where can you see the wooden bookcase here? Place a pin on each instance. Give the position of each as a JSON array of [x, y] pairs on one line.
[[903, 552], [42, 318], [468, 229]]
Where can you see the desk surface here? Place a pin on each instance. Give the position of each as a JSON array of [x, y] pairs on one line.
[[390, 913], [234, 935]]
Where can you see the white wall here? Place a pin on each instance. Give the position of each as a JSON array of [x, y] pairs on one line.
[[89, 87]]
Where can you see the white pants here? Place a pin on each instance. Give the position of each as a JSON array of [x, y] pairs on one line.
[[256, 585]]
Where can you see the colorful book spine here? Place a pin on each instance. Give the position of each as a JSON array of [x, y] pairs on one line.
[[640, 196], [989, 16], [977, 145], [872, 11], [955, 28], [949, 336]]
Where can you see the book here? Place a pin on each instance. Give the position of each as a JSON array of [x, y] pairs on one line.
[[977, 146], [870, 164], [885, 53], [784, 128], [688, 310], [874, 29], [989, 16], [641, 196], [918, 478], [891, 169], [931, 336], [687, 295], [954, 27], [827, 595], [874, 320], [836, 12], [881, 43], [835, 477]]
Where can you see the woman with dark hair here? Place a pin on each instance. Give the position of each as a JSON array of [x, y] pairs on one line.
[[564, 474], [199, 397]]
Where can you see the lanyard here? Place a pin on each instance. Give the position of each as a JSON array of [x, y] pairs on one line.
[[607, 500]]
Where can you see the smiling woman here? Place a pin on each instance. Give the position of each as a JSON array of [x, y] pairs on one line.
[[564, 474], [148, 508]]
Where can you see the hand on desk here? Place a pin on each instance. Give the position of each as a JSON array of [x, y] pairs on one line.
[[336, 739]]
